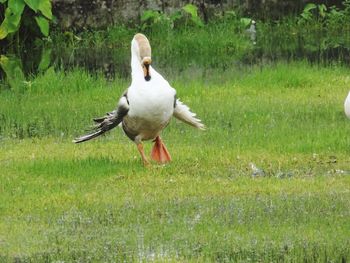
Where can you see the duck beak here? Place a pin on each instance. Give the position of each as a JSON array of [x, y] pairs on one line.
[[145, 65]]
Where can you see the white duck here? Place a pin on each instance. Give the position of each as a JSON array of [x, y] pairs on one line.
[[347, 106], [146, 107]]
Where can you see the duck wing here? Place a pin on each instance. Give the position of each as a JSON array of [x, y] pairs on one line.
[[107, 122], [183, 113]]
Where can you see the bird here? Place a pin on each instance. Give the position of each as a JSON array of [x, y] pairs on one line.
[[252, 31], [256, 171], [146, 107], [347, 106]]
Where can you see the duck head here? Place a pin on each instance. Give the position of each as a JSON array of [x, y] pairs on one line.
[[141, 49]]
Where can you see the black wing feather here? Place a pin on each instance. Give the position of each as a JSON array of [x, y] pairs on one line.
[[107, 122]]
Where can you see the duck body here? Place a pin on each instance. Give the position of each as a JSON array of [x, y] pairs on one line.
[[146, 107], [151, 106]]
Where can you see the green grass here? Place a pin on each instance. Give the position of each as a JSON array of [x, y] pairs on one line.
[[95, 202]]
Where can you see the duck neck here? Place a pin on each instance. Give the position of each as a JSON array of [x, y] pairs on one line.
[[136, 69]]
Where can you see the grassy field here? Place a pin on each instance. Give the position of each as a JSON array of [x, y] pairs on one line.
[[95, 202]]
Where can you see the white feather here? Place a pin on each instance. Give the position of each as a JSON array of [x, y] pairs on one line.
[[347, 106], [183, 113]]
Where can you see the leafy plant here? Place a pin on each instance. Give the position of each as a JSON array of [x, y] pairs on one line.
[[245, 21], [307, 11], [327, 25], [192, 11], [12, 67], [15, 10], [323, 15], [152, 19], [338, 17], [156, 20], [45, 59]]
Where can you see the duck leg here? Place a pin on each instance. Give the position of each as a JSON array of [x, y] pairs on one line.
[[143, 156], [159, 152]]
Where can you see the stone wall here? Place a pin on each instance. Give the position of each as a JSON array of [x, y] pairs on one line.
[[101, 13]]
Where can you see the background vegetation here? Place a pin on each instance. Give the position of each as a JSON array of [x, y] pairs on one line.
[[319, 34]]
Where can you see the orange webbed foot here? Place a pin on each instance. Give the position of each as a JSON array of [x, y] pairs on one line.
[[159, 152]]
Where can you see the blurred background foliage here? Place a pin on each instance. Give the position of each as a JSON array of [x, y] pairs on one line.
[[184, 37]]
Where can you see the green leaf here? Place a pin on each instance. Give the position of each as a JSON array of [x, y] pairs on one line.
[[45, 8], [10, 23], [13, 70], [13, 22], [306, 16], [245, 21], [16, 6], [191, 9], [309, 7], [230, 13], [149, 15], [322, 9], [45, 59], [3, 31], [197, 21], [43, 25], [2, 1], [176, 15], [33, 4]]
